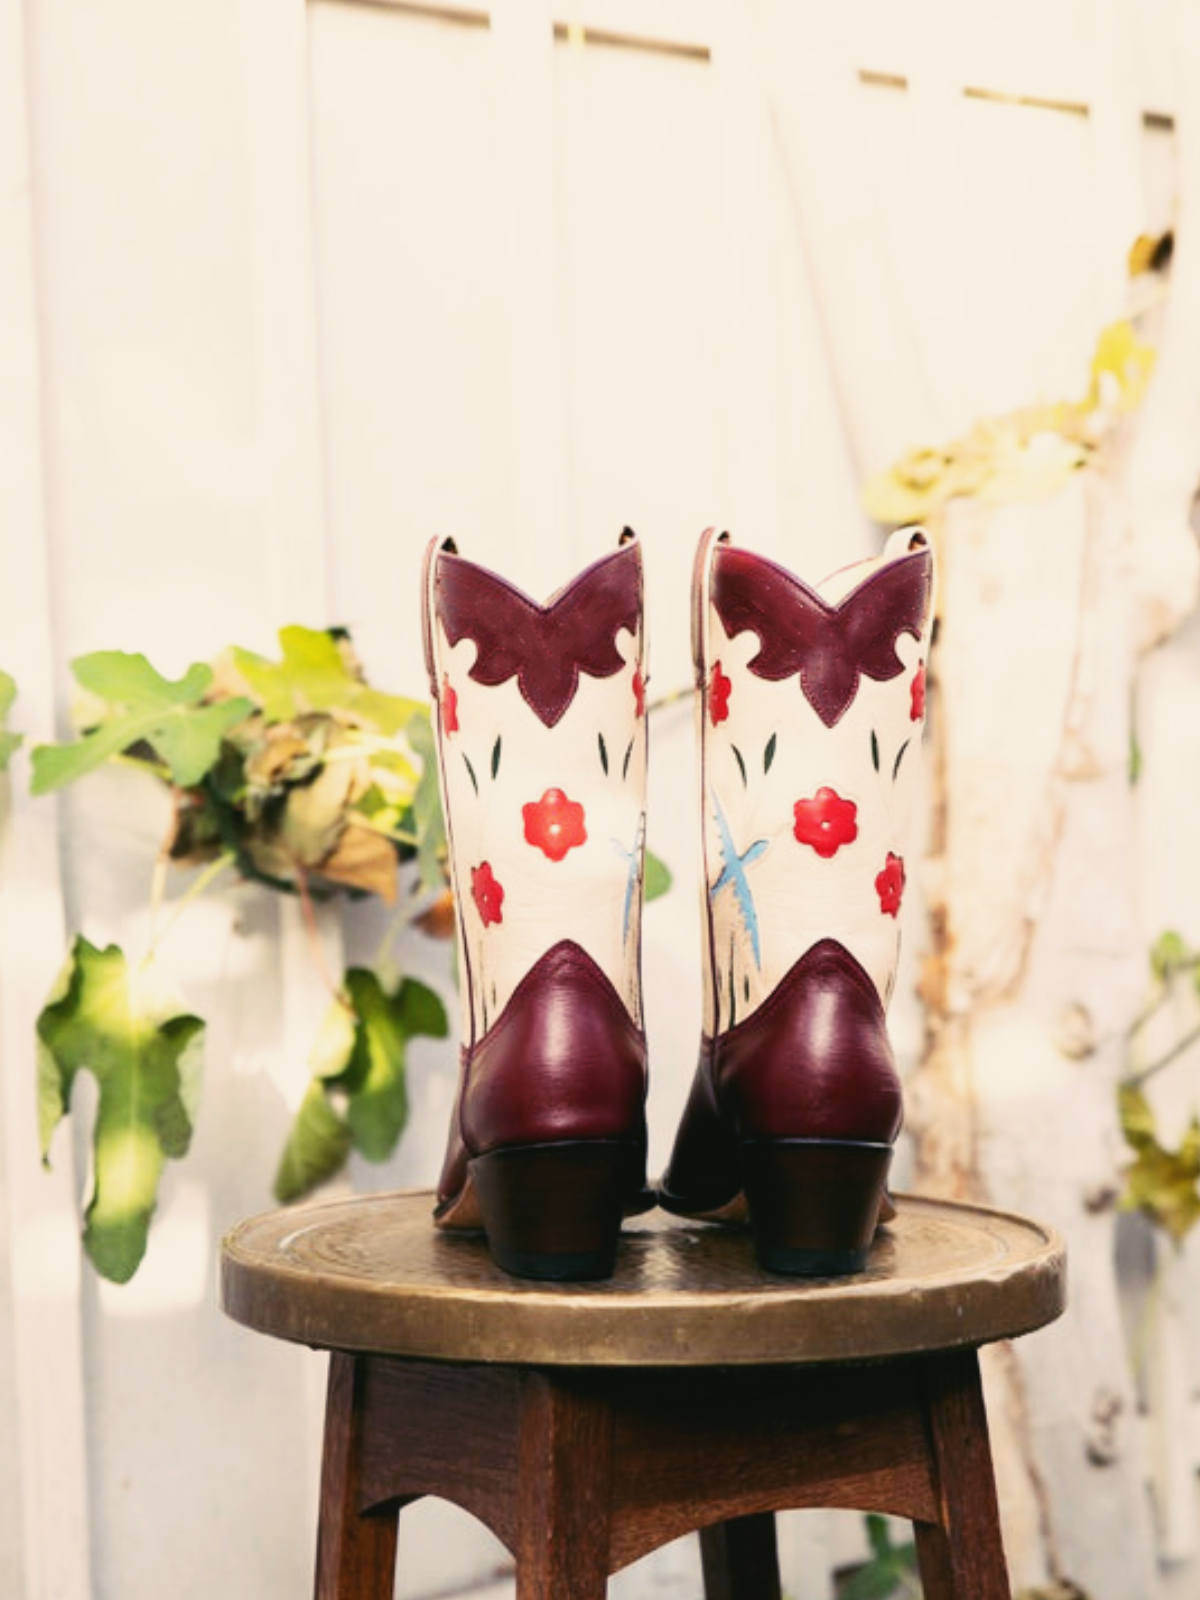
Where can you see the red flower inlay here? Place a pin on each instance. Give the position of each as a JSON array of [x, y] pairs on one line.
[[719, 687], [487, 893], [639, 693], [449, 706], [889, 886], [917, 710], [554, 824], [826, 822]]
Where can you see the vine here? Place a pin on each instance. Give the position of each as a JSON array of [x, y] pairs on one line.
[[1162, 1183]]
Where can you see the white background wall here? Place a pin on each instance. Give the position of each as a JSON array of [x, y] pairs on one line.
[[285, 291]]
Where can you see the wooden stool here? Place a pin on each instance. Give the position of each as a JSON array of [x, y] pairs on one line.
[[588, 1424]]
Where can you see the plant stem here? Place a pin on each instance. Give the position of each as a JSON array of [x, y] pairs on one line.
[[194, 890], [671, 698], [308, 911], [410, 908], [1136, 1079]]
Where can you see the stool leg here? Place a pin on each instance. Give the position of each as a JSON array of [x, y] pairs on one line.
[[740, 1559], [564, 1474], [356, 1554], [961, 1555]]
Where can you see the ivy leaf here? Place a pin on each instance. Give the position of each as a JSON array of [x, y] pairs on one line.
[[143, 707], [656, 877], [1161, 1183], [317, 673], [8, 741], [126, 1028], [358, 1098]]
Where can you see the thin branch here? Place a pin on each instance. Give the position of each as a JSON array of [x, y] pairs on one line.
[[194, 890], [1136, 1079], [308, 911], [672, 698]]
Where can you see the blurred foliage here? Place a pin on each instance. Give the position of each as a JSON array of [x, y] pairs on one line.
[[9, 741], [890, 1573], [1163, 1182], [298, 775], [1026, 454]]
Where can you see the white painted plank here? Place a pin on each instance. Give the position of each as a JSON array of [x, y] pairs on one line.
[[529, 262], [412, 316], [44, 1526], [875, 352], [750, 391], [289, 453]]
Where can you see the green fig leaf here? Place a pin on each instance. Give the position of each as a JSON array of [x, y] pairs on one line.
[[318, 1144], [126, 1028], [9, 741], [143, 707], [377, 1093], [358, 1098]]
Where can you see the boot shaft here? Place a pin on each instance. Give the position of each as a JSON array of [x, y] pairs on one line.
[[541, 736], [810, 715]]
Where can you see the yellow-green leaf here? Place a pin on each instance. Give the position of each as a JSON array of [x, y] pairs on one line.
[[317, 672], [657, 876], [9, 741], [317, 1146], [126, 1028], [1163, 1184], [358, 1098], [1121, 366]]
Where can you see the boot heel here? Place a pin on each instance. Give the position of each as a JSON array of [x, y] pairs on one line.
[[553, 1211], [813, 1203]]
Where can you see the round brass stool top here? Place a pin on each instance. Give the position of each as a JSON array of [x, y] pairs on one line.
[[371, 1273]]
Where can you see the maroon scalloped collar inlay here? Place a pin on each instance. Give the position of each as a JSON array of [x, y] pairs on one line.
[[545, 647], [829, 646]]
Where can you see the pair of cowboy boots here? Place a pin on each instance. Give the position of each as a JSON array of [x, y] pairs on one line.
[[809, 713]]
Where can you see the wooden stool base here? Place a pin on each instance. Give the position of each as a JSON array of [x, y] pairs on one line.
[[580, 1472], [587, 1425]]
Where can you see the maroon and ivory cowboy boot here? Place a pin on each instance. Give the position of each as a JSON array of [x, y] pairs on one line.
[[541, 737], [811, 708]]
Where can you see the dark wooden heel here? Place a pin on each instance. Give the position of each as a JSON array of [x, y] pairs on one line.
[[553, 1211], [813, 1203]]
